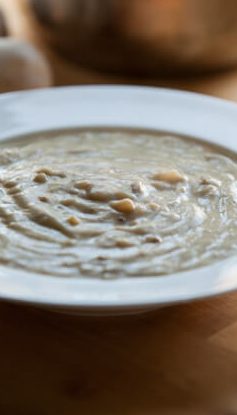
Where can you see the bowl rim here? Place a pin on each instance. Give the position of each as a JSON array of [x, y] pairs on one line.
[[207, 118]]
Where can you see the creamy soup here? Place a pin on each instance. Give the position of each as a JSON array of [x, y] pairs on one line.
[[110, 204]]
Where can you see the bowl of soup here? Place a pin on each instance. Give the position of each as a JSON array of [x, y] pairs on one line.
[[116, 199]]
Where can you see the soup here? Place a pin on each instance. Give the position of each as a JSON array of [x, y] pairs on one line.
[[111, 204]]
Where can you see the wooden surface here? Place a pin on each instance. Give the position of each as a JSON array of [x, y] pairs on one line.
[[181, 360]]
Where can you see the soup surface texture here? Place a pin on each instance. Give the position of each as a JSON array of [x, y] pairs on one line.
[[111, 204]]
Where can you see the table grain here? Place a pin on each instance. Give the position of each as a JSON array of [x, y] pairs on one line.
[[179, 360]]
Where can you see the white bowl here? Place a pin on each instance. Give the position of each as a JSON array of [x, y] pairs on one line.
[[118, 106]]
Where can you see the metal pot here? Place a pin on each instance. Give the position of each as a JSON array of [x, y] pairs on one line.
[[142, 37]]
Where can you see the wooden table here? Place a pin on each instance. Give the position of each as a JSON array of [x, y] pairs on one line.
[[181, 360]]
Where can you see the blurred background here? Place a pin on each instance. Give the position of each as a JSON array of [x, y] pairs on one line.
[[187, 44]]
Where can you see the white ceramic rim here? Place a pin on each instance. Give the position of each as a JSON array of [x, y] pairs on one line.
[[179, 112]]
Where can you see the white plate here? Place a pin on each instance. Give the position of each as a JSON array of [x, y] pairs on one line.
[[118, 106]]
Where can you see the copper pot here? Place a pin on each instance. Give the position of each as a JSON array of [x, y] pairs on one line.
[[142, 37]]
